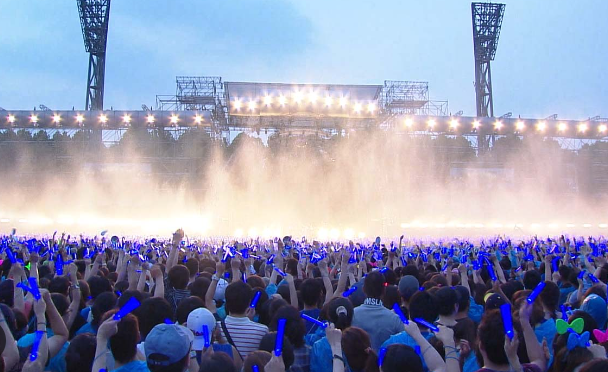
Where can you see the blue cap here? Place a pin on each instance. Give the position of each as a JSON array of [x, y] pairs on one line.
[[167, 344]]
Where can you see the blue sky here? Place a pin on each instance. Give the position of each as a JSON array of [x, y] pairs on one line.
[[551, 58]]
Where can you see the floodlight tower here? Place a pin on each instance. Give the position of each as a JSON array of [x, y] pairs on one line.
[[94, 19], [487, 20]]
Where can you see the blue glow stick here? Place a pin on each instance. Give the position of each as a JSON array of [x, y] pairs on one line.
[[59, 264], [593, 278], [313, 320], [581, 275], [128, 307], [11, 256], [564, 312], [554, 263], [384, 269], [381, 356], [36, 345], [430, 326], [403, 261], [397, 310], [491, 271], [270, 259], [349, 291], [280, 273], [34, 288], [255, 299], [507, 320], [255, 368], [536, 292], [168, 321], [206, 336], [278, 343]]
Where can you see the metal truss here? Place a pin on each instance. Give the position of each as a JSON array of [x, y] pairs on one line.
[[94, 20]]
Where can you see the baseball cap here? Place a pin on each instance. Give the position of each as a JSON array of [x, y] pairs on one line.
[[408, 285], [220, 290], [167, 344], [196, 320]]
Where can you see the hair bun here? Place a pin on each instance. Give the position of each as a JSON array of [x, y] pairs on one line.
[[341, 310]]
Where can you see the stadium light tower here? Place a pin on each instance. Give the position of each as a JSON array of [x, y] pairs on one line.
[[487, 20], [94, 19]]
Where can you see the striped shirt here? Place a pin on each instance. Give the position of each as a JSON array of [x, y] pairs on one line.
[[245, 334]]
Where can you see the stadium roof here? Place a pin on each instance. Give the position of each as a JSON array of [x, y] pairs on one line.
[[255, 90]]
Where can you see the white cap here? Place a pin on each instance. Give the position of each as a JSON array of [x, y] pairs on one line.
[[196, 320]]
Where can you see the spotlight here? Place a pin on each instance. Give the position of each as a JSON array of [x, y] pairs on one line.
[[126, 119], [582, 127], [198, 119], [541, 126], [174, 119], [282, 100], [56, 118], [431, 123], [312, 97], [454, 124], [562, 127], [267, 100], [251, 105], [476, 124], [34, 119], [237, 104], [103, 119], [498, 125], [520, 125], [409, 122], [357, 108], [150, 119], [11, 119], [371, 108], [602, 128], [328, 101], [343, 102], [79, 118]]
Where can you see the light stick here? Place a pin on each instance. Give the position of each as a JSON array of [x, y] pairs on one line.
[[536, 292], [402, 316], [36, 345], [128, 307], [313, 320], [507, 320], [206, 336], [255, 299], [430, 326], [278, 344]]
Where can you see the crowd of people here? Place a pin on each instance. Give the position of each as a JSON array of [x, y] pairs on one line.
[[71, 304]]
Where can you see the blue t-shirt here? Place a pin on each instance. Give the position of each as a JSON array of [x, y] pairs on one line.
[[475, 311], [134, 366], [87, 328], [321, 357], [405, 339]]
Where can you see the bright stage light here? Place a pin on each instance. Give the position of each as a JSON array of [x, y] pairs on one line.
[[282, 100], [312, 97], [343, 102], [587, 225], [323, 233], [570, 225], [238, 233], [361, 235], [520, 125], [349, 234], [562, 127], [237, 104], [103, 119], [251, 105], [126, 119], [602, 225], [56, 118], [34, 119], [541, 126], [150, 119], [79, 118], [11, 119], [602, 128], [334, 234], [198, 119], [174, 119], [267, 100], [454, 124], [582, 127], [498, 125], [328, 101], [297, 97], [431, 123], [476, 124], [409, 122], [357, 108], [371, 108]]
